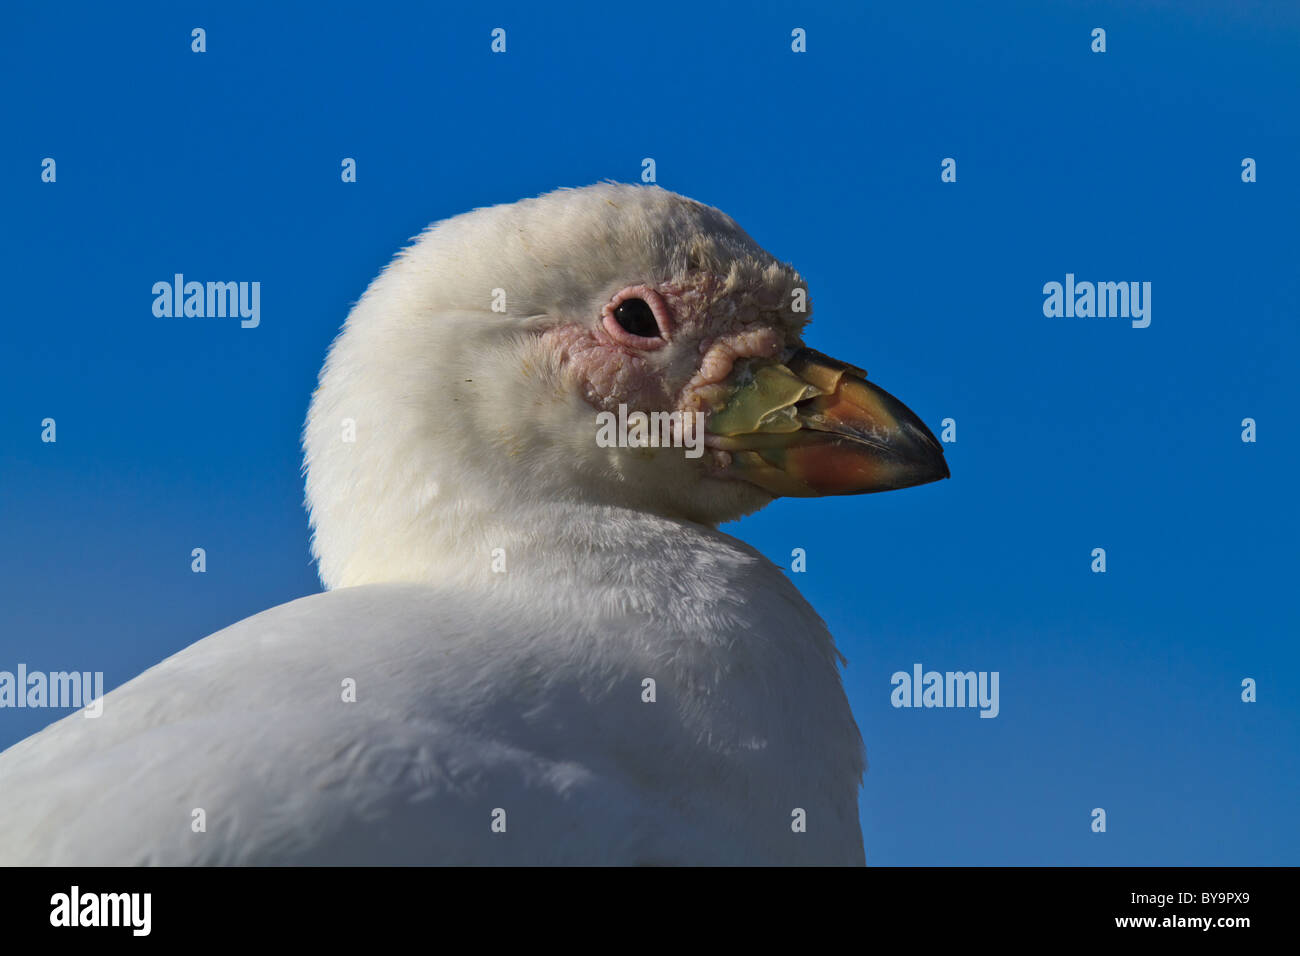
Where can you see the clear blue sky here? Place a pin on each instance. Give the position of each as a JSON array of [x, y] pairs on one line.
[[1118, 690]]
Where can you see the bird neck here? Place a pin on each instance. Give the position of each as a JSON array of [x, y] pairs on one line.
[[485, 542]]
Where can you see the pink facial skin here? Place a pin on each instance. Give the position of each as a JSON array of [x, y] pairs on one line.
[[704, 329]]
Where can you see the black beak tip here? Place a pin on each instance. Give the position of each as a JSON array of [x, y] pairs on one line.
[[933, 464], [936, 469]]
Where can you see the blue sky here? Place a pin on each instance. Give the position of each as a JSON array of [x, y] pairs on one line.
[[1118, 690]]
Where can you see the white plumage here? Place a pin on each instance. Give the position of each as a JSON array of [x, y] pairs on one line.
[[501, 589]]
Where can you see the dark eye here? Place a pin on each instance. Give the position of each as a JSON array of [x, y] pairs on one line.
[[636, 316]]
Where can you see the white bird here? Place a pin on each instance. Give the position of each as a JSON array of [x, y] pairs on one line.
[[534, 648]]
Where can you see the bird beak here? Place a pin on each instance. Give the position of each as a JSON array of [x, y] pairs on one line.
[[814, 426]]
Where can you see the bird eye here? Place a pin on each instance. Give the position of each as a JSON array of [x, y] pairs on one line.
[[636, 317]]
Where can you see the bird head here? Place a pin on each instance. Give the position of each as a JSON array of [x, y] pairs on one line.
[[565, 350]]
